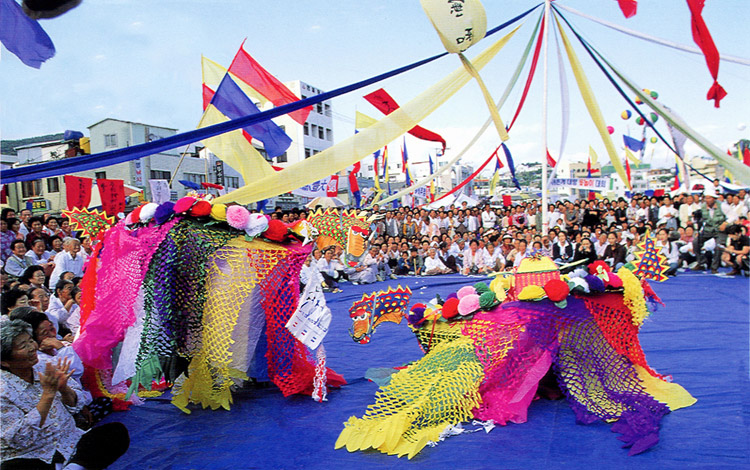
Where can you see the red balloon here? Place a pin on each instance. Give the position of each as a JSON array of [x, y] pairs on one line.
[[611, 130]]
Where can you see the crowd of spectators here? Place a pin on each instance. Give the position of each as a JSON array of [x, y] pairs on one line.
[[47, 415], [697, 232], [43, 262]]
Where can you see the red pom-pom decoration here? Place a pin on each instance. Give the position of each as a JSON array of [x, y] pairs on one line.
[[556, 290], [594, 267], [277, 231], [450, 308], [200, 209]]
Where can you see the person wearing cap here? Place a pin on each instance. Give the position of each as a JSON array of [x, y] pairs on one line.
[[714, 224]]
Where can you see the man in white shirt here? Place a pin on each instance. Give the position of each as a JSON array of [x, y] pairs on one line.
[[668, 214], [433, 265], [25, 228], [489, 218], [69, 260], [686, 210], [600, 245], [473, 222]]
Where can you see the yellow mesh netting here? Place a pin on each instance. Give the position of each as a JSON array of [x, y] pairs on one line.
[[433, 333], [440, 390], [232, 274], [633, 296]]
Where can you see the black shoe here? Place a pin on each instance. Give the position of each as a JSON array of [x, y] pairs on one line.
[[714, 271], [697, 267]]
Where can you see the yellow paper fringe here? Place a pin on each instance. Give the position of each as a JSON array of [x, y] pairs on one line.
[[633, 297], [671, 394]]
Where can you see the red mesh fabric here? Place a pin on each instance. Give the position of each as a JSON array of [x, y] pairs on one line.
[[616, 323], [289, 366]]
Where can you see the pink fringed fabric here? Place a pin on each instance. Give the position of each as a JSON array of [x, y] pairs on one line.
[[125, 256]]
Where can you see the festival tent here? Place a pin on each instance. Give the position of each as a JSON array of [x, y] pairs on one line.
[[453, 200]]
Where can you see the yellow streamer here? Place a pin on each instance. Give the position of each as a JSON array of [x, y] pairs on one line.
[[592, 106], [594, 157], [367, 141], [671, 394], [631, 156], [487, 98], [362, 121]]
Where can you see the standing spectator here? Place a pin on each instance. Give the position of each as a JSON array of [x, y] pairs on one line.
[[489, 218], [25, 227], [391, 225], [686, 211], [668, 215], [591, 216]]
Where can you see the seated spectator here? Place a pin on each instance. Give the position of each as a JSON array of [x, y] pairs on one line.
[[18, 260], [736, 253], [521, 252], [614, 253], [493, 259], [39, 298], [13, 299], [670, 251], [37, 425], [433, 265], [60, 306], [34, 277], [562, 251], [473, 259], [327, 268], [71, 261], [585, 251], [37, 232], [445, 255]]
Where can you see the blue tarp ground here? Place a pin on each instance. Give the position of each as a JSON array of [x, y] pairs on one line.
[[700, 338]]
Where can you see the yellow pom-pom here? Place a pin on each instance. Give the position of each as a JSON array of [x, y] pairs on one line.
[[219, 212]]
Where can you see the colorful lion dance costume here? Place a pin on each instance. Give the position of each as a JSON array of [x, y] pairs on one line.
[[485, 360], [200, 295]]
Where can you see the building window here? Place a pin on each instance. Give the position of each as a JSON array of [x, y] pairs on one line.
[[327, 108], [321, 133], [308, 152], [100, 175], [314, 129], [319, 108], [110, 140], [53, 185], [195, 177], [232, 181], [369, 167], [307, 129], [161, 175], [31, 188], [281, 158], [329, 134]]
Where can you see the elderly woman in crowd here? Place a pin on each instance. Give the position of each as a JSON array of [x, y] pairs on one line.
[[38, 429]]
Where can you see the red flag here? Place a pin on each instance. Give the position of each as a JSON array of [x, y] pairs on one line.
[[532, 69], [592, 195], [627, 171], [353, 183], [4, 194], [703, 39], [746, 156], [333, 186], [550, 161], [207, 95], [676, 184], [628, 7], [385, 104], [507, 200], [78, 191], [251, 72], [112, 193], [658, 192]]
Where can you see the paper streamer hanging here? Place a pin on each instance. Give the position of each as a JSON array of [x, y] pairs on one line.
[[460, 25], [564, 101], [367, 141], [511, 84], [592, 106]]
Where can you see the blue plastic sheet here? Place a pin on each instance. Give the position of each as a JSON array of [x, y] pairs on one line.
[[700, 338]]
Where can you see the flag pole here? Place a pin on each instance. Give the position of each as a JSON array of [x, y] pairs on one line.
[[545, 216]]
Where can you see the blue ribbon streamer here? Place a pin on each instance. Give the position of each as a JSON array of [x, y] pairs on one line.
[[88, 162]]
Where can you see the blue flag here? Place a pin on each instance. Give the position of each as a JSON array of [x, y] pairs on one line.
[[23, 36], [633, 144], [232, 102], [511, 165]]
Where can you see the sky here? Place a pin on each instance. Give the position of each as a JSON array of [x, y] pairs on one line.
[[139, 60]]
